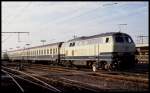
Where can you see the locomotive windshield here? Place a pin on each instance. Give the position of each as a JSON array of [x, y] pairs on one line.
[[128, 40], [123, 39], [119, 39]]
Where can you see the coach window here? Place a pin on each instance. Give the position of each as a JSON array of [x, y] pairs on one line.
[[28, 53], [107, 40], [56, 50], [44, 51], [34, 52], [53, 51], [47, 51], [50, 51], [39, 52]]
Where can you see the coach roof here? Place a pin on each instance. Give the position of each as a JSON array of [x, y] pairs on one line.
[[52, 44]]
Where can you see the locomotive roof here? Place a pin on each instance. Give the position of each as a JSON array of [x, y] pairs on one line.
[[98, 35]]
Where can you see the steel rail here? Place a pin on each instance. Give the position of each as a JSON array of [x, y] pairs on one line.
[[30, 81], [50, 86], [85, 85], [14, 80], [118, 75]]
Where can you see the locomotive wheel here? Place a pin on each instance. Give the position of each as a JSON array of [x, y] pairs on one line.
[[103, 65], [94, 67], [67, 63], [114, 67], [109, 67]]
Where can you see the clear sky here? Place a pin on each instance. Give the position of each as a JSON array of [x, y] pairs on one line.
[[60, 21]]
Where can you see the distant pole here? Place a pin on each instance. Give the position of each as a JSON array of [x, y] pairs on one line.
[[120, 26], [141, 38], [27, 51], [74, 36], [43, 41], [17, 33]]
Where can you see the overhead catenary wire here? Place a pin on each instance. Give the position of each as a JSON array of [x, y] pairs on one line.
[[87, 12], [107, 20], [18, 34], [18, 14], [3, 41]]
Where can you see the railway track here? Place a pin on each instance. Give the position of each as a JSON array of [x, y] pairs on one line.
[[6, 74], [25, 80], [73, 76], [89, 72], [137, 77], [66, 85], [88, 80]]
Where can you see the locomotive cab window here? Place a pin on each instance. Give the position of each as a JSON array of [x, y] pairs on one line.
[[107, 40], [72, 44]]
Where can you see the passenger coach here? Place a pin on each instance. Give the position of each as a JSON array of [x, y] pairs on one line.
[[44, 53]]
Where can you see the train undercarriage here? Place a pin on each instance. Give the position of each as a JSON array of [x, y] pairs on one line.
[[116, 63]]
